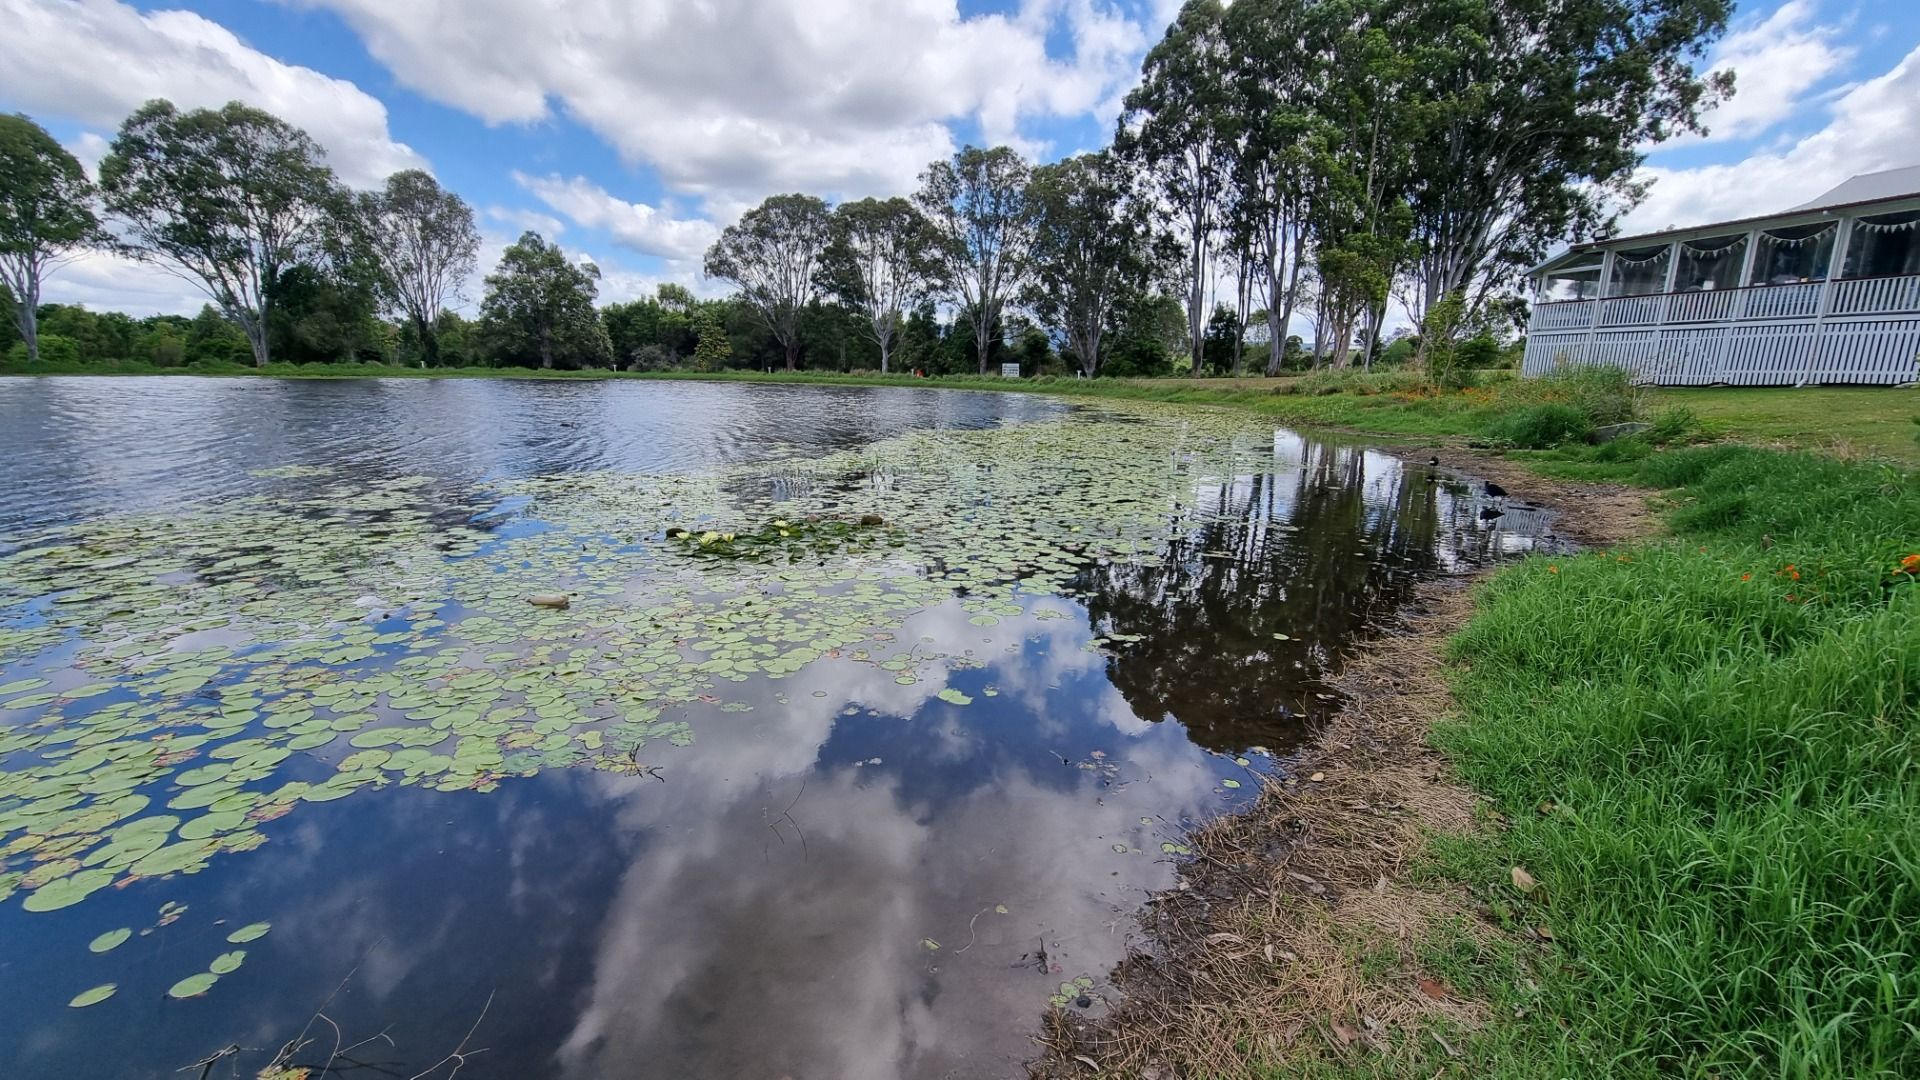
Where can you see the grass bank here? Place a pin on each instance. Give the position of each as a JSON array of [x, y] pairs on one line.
[[1702, 751], [1698, 840]]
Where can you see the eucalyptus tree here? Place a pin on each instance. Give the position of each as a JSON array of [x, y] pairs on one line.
[[1178, 128], [773, 254], [878, 263], [1539, 115], [46, 217], [422, 242], [982, 234], [1090, 251], [1277, 63], [225, 198], [538, 303]]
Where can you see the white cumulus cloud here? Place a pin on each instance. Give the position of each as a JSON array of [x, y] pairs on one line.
[[646, 229], [1874, 125], [737, 99], [95, 61]]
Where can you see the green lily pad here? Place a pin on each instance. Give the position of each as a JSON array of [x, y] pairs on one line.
[[249, 932], [94, 996], [954, 697], [193, 985], [227, 962], [110, 940]]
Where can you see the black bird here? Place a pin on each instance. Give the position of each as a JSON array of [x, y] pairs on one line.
[[1433, 463], [1488, 513], [1495, 491]]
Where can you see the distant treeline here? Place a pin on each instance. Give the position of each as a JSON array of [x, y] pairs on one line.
[[1319, 158]]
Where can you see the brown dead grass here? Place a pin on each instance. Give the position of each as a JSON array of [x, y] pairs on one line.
[[1293, 933]]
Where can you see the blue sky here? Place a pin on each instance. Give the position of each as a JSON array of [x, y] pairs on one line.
[[632, 130]]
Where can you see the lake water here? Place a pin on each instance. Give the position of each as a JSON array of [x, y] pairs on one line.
[[873, 716]]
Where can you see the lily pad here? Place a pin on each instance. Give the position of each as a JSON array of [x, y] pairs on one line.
[[249, 932], [193, 985], [110, 940], [94, 996]]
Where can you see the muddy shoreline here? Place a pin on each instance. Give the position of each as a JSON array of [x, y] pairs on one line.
[[1254, 956]]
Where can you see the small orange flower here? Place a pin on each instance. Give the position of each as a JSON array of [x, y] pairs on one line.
[[1911, 564], [1703, 549], [1553, 569], [1746, 577]]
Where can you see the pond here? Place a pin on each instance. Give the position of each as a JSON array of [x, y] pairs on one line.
[[870, 718]]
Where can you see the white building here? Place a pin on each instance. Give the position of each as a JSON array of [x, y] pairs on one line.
[[1827, 292]]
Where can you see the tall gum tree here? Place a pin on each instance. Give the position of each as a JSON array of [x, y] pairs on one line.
[[773, 255], [1540, 113], [225, 198], [1090, 251], [46, 217], [983, 233], [877, 263], [1178, 129], [423, 243]]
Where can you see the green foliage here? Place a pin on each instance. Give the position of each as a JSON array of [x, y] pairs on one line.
[[1537, 427], [713, 348], [773, 254], [1090, 253], [420, 242], [983, 228], [229, 198], [1722, 730], [46, 212], [879, 264], [539, 306]]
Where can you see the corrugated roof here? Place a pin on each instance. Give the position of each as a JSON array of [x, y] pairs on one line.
[[1869, 187]]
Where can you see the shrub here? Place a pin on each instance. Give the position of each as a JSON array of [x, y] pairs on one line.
[[1537, 427]]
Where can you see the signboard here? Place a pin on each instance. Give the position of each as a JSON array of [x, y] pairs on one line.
[[1009, 371]]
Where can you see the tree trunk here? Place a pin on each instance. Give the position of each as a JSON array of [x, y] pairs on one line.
[[982, 341], [429, 342], [546, 349], [883, 356], [28, 320], [1196, 316], [793, 354], [257, 338]]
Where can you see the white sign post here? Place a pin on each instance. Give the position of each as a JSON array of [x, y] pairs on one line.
[[1009, 371]]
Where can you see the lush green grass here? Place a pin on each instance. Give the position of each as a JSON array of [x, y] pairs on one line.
[[1878, 421], [1705, 752]]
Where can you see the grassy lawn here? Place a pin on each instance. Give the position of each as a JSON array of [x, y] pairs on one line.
[[1877, 421]]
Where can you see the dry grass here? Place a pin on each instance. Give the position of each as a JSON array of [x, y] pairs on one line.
[[1293, 935]]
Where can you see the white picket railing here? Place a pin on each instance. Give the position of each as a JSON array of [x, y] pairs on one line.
[[1563, 314], [1868, 331]]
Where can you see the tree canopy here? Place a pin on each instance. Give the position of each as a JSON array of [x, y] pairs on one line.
[[46, 215], [540, 305], [226, 198], [773, 255]]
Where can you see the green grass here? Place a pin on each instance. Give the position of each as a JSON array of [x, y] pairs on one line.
[[1708, 763], [1878, 421]]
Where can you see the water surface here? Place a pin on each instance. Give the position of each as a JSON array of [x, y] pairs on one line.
[[856, 801]]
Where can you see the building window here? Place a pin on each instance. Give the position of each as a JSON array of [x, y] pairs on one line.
[[1884, 245], [1571, 283], [1794, 254], [1710, 263], [1639, 271]]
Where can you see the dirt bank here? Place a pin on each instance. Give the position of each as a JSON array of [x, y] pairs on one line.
[[1292, 936]]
